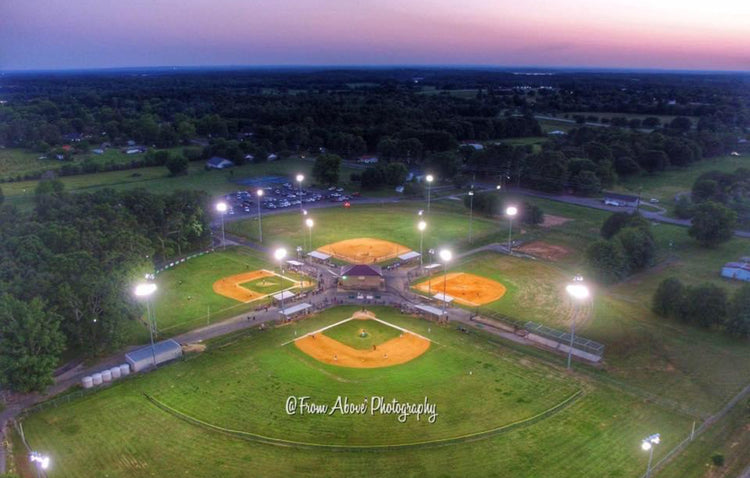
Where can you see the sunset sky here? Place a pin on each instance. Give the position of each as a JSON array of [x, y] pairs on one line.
[[662, 34]]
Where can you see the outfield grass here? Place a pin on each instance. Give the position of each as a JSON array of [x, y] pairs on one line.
[[185, 298], [392, 222], [244, 386], [535, 290], [350, 333], [662, 356]]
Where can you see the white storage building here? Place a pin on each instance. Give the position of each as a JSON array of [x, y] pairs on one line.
[[143, 358]]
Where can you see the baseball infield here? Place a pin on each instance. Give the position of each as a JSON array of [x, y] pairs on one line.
[[364, 250], [467, 289]]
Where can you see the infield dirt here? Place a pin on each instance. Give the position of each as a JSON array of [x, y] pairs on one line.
[[396, 351], [467, 289], [364, 250], [232, 286]]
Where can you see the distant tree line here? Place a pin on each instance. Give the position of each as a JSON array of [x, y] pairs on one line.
[[493, 204]]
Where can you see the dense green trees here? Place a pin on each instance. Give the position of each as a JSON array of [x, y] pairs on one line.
[[326, 169], [667, 299], [384, 174], [705, 305], [30, 344], [712, 223], [82, 253], [628, 239], [177, 165], [738, 320]]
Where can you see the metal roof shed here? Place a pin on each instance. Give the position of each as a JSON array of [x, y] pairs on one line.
[[143, 358]]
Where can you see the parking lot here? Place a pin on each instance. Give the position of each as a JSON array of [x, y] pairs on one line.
[[282, 196]]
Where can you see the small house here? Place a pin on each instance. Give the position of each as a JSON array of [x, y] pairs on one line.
[[621, 200], [217, 162], [736, 270]]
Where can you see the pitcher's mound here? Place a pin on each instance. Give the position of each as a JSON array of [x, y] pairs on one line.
[[364, 250], [467, 289]]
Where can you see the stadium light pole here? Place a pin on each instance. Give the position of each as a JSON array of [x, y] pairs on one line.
[[421, 226], [146, 290], [647, 444], [510, 211], [445, 255], [578, 291], [279, 254], [300, 178], [41, 462], [222, 208], [310, 223], [429, 178], [471, 209], [259, 193]]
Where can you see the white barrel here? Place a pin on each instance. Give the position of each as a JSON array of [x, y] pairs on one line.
[[106, 376], [97, 378], [87, 382], [124, 369], [115, 371]]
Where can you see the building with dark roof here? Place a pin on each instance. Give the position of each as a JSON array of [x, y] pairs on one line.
[[362, 277], [617, 199]]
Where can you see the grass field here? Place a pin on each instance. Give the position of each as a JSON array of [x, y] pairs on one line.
[[15, 162], [662, 356], [350, 333], [158, 179], [534, 290], [243, 384], [392, 222], [666, 184], [185, 298]]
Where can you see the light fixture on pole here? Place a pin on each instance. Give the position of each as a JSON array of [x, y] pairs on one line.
[[471, 209], [421, 225], [577, 291], [300, 178], [310, 223], [445, 256], [510, 211], [279, 254], [146, 290], [41, 462], [222, 208], [429, 178], [647, 444], [259, 193]]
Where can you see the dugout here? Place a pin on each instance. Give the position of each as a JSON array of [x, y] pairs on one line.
[[163, 351]]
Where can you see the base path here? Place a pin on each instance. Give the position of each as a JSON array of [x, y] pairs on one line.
[[467, 289], [364, 250], [402, 349]]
